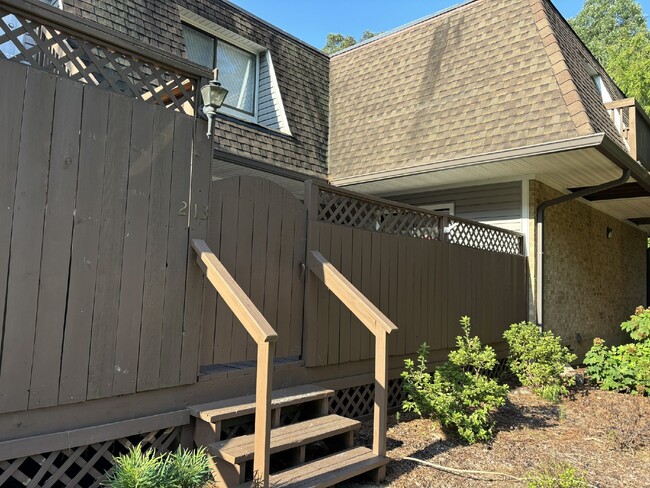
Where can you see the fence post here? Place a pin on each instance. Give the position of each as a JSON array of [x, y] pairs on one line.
[[443, 223], [310, 319]]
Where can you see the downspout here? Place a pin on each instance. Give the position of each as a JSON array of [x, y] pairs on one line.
[[539, 268]]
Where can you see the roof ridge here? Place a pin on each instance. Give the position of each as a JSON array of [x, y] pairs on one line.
[[561, 71]]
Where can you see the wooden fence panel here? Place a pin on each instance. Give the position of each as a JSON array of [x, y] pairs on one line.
[[257, 230], [26, 241], [111, 244], [57, 243], [187, 333], [151, 332], [11, 75], [423, 286], [95, 195]]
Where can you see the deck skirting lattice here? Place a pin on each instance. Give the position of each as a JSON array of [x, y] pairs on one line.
[[358, 401], [83, 466]]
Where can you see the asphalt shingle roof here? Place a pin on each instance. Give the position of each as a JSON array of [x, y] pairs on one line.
[[485, 76], [473, 80], [302, 73]]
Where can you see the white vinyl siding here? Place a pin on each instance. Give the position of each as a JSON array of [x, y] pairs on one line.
[[270, 110], [498, 204]]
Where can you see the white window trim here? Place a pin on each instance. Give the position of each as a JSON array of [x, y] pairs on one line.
[[449, 207], [220, 33], [196, 21]]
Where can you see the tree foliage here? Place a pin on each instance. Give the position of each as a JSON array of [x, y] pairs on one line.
[[616, 32], [338, 42]]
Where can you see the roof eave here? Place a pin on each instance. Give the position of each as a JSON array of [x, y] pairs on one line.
[[582, 142]]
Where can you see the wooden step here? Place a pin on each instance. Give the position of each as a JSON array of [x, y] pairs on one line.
[[240, 449], [237, 407], [329, 470]]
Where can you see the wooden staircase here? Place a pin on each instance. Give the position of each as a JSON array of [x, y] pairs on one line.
[[317, 451], [291, 443]]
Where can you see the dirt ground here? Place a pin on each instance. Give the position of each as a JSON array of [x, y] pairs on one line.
[[604, 434]]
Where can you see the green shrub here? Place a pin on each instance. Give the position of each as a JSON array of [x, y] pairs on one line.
[[460, 394], [559, 476], [623, 368], [146, 469], [538, 359]]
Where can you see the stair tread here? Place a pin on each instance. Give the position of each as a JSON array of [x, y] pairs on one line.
[[329, 470], [240, 449], [234, 407]]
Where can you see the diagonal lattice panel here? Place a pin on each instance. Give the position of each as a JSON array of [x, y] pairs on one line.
[[50, 49], [351, 211], [83, 466]]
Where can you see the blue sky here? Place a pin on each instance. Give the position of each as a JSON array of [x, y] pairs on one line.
[[312, 20]]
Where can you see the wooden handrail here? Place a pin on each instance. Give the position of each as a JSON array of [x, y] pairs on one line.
[[240, 304], [380, 326], [359, 305], [265, 337]]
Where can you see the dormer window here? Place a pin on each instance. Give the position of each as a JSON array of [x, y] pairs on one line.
[[238, 68], [245, 69]]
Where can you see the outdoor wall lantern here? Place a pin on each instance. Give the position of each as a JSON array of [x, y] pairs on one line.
[[610, 232], [213, 95]]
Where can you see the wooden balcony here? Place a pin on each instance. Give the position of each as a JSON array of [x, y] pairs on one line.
[[634, 125]]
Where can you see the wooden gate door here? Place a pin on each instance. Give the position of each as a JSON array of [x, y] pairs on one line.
[[257, 229]]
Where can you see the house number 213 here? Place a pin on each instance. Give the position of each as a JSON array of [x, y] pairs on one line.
[[200, 213]]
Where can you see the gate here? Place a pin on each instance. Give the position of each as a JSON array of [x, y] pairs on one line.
[[257, 230]]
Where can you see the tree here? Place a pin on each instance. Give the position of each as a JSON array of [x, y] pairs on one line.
[[616, 32], [338, 42]]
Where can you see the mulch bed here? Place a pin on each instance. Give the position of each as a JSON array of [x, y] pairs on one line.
[[604, 434]]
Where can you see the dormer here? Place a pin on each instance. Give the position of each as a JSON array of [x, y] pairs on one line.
[[245, 69]]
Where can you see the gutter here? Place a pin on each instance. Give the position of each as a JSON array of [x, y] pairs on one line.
[[630, 168]]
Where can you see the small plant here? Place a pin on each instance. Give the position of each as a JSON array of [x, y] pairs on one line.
[[137, 468], [558, 476], [146, 469], [623, 368], [460, 394], [538, 359]]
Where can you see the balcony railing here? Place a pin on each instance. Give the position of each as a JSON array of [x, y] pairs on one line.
[[634, 126]]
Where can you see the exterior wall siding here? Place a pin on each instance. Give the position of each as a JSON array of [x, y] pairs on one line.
[[591, 283], [498, 204]]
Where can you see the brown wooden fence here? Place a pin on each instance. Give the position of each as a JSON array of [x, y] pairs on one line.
[[95, 207], [257, 229], [423, 270]]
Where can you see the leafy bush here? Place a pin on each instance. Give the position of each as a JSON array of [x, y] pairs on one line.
[[559, 476], [538, 359], [459, 394], [623, 368], [138, 469]]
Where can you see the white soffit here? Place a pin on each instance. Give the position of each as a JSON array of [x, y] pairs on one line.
[[569, 169], [625, 208]]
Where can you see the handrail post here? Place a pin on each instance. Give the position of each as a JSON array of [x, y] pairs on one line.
[[380, 424], [632, 137], [262, 450]]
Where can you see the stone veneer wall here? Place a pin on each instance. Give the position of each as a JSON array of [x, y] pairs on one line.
[[591, 283]]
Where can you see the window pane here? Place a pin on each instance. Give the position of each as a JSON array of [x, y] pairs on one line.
[[200, 47], [237, 74]]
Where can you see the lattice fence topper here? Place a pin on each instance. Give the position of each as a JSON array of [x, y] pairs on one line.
[[50, 49], [84, 466], [344, 209]]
